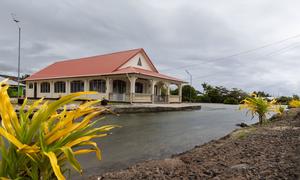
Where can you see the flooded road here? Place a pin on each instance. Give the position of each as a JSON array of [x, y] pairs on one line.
[[145, 136]]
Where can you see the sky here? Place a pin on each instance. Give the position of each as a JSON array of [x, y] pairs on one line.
[[249, 44]]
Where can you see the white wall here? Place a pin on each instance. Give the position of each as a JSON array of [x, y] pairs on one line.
[[134, 62], [29, 92], [52, 94], [146, 89]]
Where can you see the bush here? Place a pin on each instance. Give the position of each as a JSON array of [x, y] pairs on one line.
[[13, 91], [38, 146], [189, 93], [231, 100], [203, 98]]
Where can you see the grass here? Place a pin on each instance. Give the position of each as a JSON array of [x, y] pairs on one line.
[[243, 133]]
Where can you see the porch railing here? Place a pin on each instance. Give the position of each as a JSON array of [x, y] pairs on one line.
[[119, 97], [141, 97], [174, 98], [160, 99]]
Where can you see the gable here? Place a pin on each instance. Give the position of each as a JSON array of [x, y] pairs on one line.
[[139, 61]]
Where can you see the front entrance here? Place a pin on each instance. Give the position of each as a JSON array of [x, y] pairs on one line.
[[160, 95], [119, 90], [35, 90]]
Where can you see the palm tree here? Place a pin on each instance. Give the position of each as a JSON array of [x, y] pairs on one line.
[[259, 106]]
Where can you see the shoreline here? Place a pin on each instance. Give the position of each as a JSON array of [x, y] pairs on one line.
[[147, 108], [139, 108], [271, 151]]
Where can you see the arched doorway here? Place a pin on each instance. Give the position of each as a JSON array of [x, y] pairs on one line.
[[160, 92]]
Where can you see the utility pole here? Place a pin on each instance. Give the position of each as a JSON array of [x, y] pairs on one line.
[[19, 51], [191, 81]]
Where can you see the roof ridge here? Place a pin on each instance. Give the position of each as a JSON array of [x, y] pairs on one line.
[[77, 59]]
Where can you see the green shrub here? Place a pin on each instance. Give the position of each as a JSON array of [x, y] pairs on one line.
[[231, 100]]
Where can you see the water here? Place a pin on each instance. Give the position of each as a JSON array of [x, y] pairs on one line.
[[145, 136]]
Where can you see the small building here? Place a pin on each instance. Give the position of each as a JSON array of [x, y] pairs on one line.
[[127, 76], [13, 86]]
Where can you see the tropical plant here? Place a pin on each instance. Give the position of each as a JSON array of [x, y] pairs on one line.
[[37, 145], [259, 106], [280, 109], [294, 103]]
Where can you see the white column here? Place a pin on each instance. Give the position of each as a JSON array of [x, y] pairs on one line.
[[152, 82], [180, 92], [68, 87], [86, 85], [168, 91], [108, 87], [52, 89], [132, 80]]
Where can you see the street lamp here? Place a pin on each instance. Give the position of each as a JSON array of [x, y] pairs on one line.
[[191, 81], [19, 50]]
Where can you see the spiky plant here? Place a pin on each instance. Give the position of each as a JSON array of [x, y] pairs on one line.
[[259, 106], [37, 145]]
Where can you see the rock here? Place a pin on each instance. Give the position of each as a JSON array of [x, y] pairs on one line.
[[242, 125], [240, 166]]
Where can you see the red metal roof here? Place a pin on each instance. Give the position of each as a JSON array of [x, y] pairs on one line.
[[97, 65], [134, 70]]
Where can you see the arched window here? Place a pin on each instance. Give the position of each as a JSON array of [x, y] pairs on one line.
[[77, 86], [139, 87], [60, 87], [174, 90], [98, 85], [45, 87]]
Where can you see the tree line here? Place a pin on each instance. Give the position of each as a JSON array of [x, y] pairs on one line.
[[220, 94]]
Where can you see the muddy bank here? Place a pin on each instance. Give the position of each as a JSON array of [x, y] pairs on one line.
[[268, 152]]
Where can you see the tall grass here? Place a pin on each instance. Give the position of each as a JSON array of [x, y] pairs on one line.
[[37, 145]]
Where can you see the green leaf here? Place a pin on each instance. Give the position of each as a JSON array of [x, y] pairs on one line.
[[71, 158]]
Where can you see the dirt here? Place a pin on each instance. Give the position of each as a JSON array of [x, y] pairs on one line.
[[271, 151]]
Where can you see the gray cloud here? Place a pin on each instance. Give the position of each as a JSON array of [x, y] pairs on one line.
[[176, 34]]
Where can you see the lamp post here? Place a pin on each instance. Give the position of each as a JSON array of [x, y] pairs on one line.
[[191, 81], [19, 51]]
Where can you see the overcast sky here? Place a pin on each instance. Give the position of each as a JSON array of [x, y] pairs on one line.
[[178, 35]]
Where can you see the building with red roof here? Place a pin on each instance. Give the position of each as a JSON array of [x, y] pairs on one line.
[[126, 76]]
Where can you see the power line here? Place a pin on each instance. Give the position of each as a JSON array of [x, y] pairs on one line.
[[238, 54], [286, 48]]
